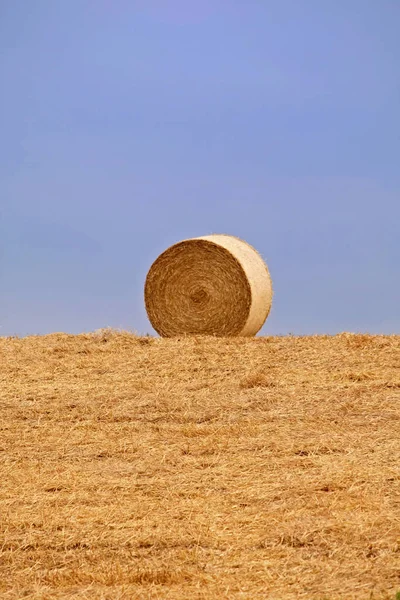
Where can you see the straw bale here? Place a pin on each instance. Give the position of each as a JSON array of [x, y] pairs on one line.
[[212, 285]]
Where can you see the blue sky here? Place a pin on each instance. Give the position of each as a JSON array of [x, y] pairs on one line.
[[127, 126]]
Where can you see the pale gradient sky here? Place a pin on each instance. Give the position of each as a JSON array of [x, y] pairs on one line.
[[129, 125]]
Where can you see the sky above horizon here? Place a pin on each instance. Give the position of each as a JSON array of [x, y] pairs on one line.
[[127, 126]]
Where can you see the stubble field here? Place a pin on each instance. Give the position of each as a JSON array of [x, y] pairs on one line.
[[143, 468]]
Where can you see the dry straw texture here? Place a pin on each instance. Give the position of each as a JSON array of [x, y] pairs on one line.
[[215, 285], [199, 468]]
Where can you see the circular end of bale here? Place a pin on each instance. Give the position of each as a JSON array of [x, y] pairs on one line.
[[212, 285]]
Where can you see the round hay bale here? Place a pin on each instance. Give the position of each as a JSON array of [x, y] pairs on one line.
[[211, 285]]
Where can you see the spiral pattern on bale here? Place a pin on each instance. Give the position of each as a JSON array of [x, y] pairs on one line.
[[212, 285]]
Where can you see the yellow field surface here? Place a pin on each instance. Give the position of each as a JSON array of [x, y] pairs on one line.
[[143, 468]]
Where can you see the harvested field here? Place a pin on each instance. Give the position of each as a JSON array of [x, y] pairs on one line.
[[143, 468]]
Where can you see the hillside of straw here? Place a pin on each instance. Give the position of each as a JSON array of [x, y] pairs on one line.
[[143, 468]]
